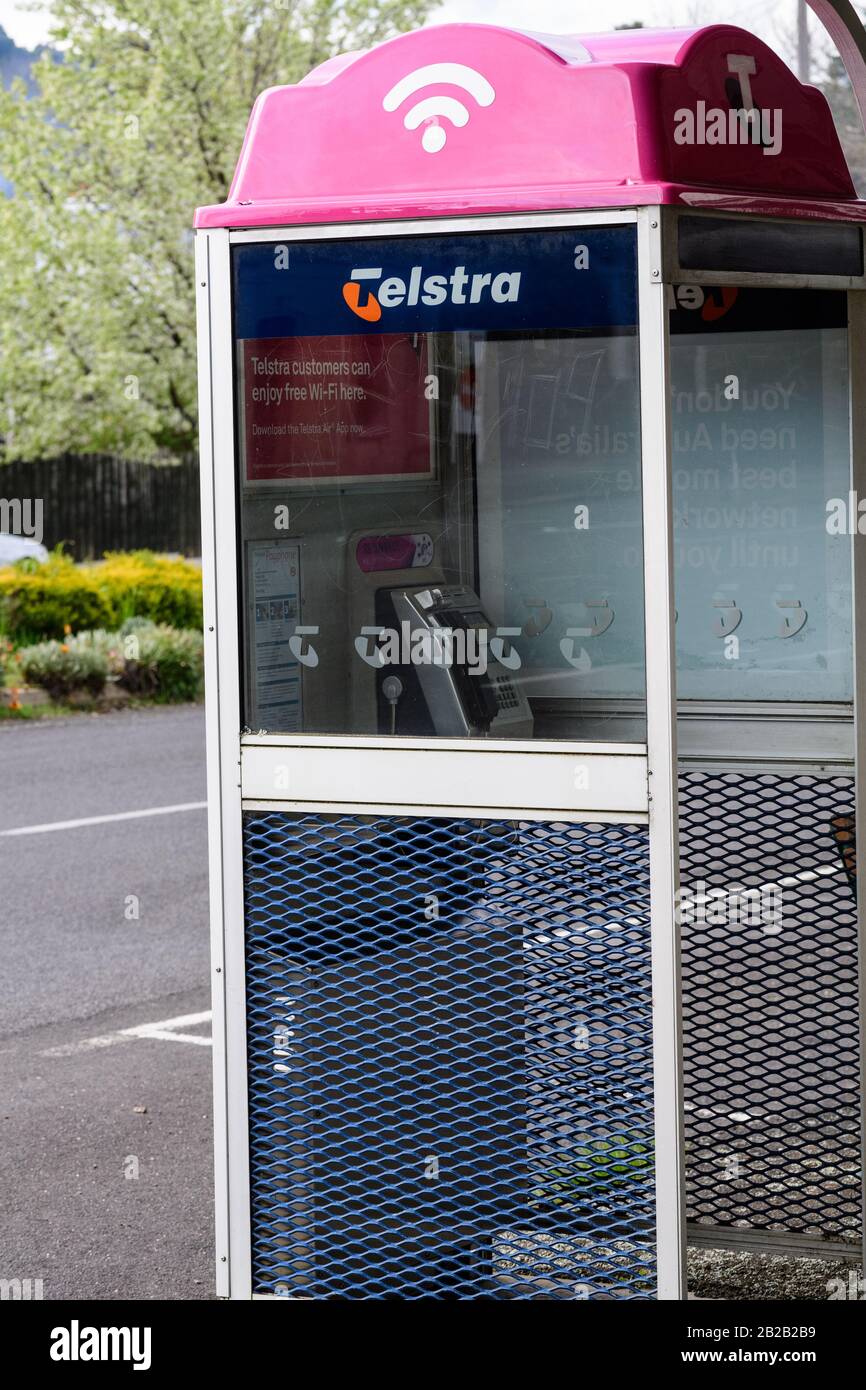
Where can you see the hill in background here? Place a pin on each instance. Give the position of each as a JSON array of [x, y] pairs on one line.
[[14, 62]]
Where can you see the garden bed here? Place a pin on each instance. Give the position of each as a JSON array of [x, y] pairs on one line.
[[96, 636]]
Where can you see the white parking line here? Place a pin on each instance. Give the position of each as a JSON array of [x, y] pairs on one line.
[[104, 820], [164, 1030]]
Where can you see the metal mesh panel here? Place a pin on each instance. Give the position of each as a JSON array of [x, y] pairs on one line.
[[450, 1064], [769, 1004]]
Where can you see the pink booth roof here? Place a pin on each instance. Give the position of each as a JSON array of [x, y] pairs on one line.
[[473, 118]]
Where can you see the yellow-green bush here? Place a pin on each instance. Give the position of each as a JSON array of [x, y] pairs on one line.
[[48, 600], [144, 585]]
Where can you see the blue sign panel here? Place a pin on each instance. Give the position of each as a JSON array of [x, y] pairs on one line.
[[511, 281]]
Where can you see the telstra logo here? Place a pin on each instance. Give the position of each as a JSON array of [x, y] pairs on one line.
[[460, 287], [713, 303]]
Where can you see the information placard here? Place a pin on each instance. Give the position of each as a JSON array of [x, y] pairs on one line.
[[274, 588]]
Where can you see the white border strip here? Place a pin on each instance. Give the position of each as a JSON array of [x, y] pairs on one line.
[[573, 783], [491, 813], [216, 432], [433, 226], [654, 354], [856, 368]]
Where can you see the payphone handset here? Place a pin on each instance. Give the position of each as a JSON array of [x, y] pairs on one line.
[[467, 690]]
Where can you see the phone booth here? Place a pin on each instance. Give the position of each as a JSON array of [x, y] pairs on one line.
[[530, 469]]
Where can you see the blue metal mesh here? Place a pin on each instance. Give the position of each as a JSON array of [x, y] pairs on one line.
[[449, 1058], [771, 1031]]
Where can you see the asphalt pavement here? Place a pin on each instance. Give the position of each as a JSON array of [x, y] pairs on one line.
[[105, 1126]]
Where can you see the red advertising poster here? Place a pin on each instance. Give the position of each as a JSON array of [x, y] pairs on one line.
[[338, 408]]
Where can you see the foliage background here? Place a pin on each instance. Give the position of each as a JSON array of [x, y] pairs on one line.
[[138, 115], [131, 116]]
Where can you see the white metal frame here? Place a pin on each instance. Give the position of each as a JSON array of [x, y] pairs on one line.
[[542, 765], [818, 738], [857, 374], [588, 782], [656, 476], [231, 1158]]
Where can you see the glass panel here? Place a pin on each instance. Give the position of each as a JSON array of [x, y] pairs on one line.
[[439, 476], [762, 467]]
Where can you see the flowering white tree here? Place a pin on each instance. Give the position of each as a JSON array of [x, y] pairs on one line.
[[138, 117]]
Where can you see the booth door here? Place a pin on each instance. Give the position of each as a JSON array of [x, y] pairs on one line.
[[446, 852]]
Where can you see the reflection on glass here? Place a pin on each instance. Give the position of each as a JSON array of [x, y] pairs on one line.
[[761, 457]]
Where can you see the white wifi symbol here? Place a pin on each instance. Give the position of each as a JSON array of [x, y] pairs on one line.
[[431, 108]]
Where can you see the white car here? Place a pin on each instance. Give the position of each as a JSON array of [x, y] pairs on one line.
[[14, 548]]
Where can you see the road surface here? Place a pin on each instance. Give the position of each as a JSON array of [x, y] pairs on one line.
[[105, 1146]]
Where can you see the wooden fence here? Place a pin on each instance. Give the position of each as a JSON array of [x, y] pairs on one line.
[[94, 503]]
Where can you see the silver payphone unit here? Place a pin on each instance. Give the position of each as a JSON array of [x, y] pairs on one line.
[[427, 659], [466, 689]]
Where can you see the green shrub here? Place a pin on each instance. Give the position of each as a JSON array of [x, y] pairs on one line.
[[109, 645], [141, 584], [29, 564], [54, 598], [133, 624], [62, 668], [58, 597], [163, 663], [148, 659], [602, 1167]]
